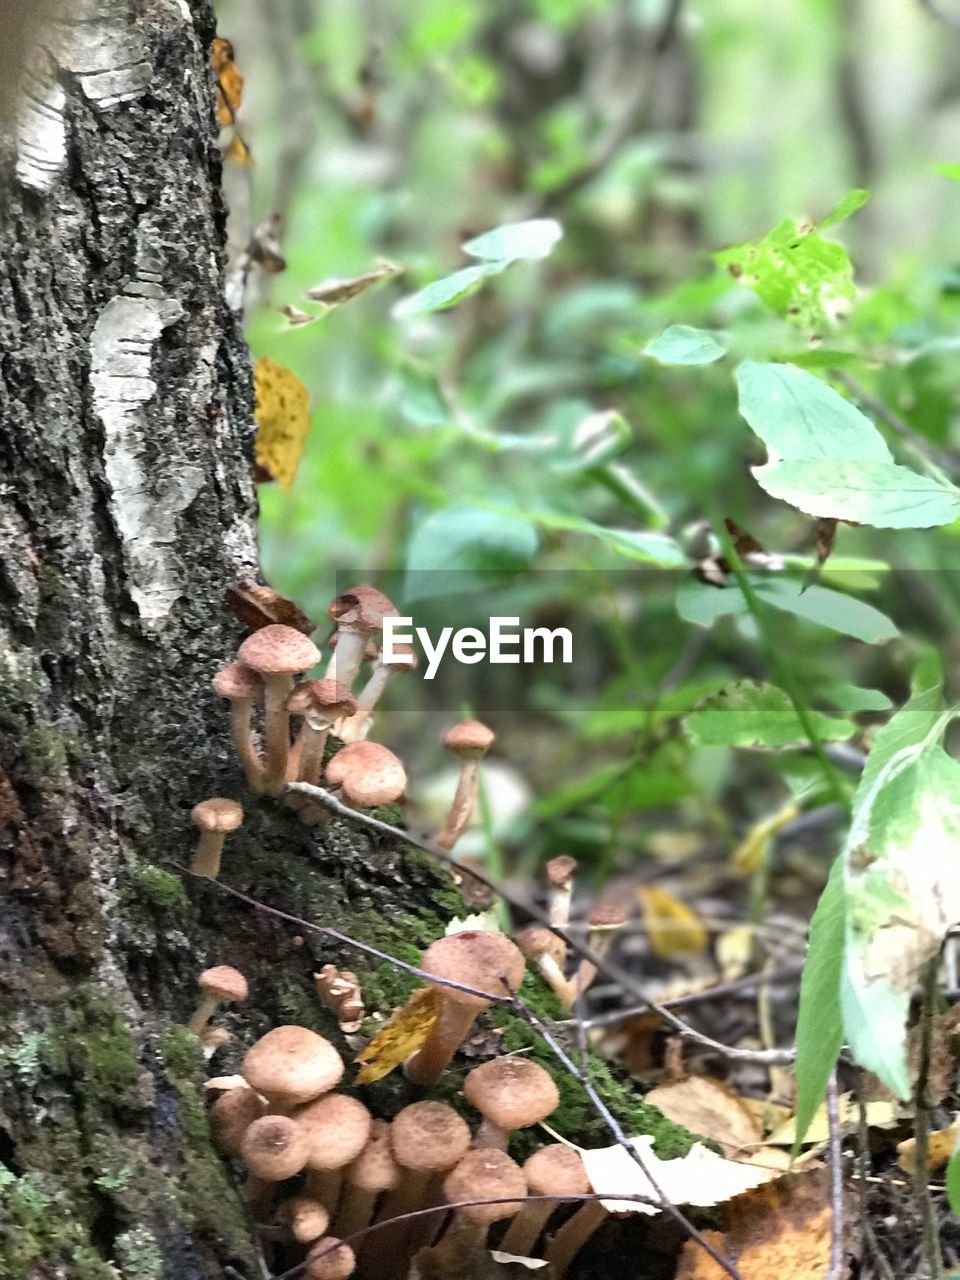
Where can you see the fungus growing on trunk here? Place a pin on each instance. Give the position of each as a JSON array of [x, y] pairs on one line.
[[273, 1149], [329, 1259], [220, 985], [232, 1115], [307, 1218], [510, 1093], [547, 952], [340, 990], [359, 615], [480, 960], [469, 741], [337, 1128], [482, 1174], [321, 703], [278, 653], [356, 725], [555, 1170], [291, 1066], [374, 1171], [242, 687], [369, 774], [214, 818]]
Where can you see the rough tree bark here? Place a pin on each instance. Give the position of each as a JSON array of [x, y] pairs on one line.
[[126, 509]]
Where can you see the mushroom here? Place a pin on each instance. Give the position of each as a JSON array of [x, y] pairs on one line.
[[232, 1115], [478, 959], [359, 615], [220, 985], [337, 1128], [321, 703], [374, 1171], [242, 686], [603, 923], [369, 774], [482, 1174], [573, 1235], [278, 653], [469, 741], [510, 1093], [555, 1170], [307, 1218], [355, 725], [214, 818], [560, 874], [273, 1149], [548, 953], [330, 1259], [291, 1066]]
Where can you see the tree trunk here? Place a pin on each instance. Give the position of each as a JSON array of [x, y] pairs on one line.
[[126, 510]]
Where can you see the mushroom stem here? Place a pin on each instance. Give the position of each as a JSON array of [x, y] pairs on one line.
[[491, 1136], [312, 745], [206, 1008], [346, 658], [324, 1185], [573, 1235], [353, 728], [448, 1034], [461, 807], [206, 860], [241, 715], [526, 1228], [277, 686], [356, 1209]]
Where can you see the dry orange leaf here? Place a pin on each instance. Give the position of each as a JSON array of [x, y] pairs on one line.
[[710, 1109], [672, 927], [752, 849], [940, 1147], [404, 1034], [229, 81], [237, 151], [256, 605], [283, 420]]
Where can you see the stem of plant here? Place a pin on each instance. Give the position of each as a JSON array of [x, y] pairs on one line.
[[928, 1212]]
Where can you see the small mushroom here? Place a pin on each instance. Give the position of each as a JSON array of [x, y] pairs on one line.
[[469, 741], [220, 985], [477, 959], [356, 725], [330, 1259], [232, 1115], [560, 875], [573, 1235], [369, 774], [242, 687], [321, 703], [603, 924], [273, 1149], [510, 1093], [307, 1219], [554, 1170], [482, 1174], [337, 1128], [278, 653], [214, 818], [359, 615], [548, 953], [291, 1066], [374, 1171]]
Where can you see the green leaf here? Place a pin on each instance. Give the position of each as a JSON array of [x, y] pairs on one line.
[[702, 604], [530, 240], [949, 171], [845, 206], [953, 1164], [681, 344], [866, 492], [798, 416], [819, 1023], [635, 544], [851, 699], [446, 291], [910, 726], [747, 714], [463, 548]]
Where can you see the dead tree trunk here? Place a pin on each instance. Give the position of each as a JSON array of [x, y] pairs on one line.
[[126, 509]]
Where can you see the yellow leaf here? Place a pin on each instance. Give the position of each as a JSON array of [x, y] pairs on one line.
[[283, 420], [404, 1034], [752, 849], [941, 1144], [237, 151], [229, 81], [672, 927], [880, 1115]]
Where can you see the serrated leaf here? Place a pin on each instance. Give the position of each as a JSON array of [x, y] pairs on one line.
[[798, 416], [881, 494], [747, 714], [405, 1033], [682, 344], [530, 240], [283, 420]]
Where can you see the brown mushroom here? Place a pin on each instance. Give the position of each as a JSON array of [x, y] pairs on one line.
[[547, 952], [374, 1171], [307, 1219], [337, 1128], [369, 774], [321, 703], [232, 1115], [477, 959], [554, 1170], [573, 1235], [482, 1174], [242, 687], [330, 1259], [355, 725], [560, 875], [510, 1093], [220, 985], [469, 741], [278, 653], [272, 1149], [603, 924], [359, 615], [214, 818], [291, 1066]]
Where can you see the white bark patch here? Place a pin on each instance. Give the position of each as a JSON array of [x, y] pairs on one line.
[[41, 129], [146, 497]]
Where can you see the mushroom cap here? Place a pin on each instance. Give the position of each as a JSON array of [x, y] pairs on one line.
[[217, 814], [323, 696], [469, 738], [274, 1148], [512, 1093], [337, 1128], [279, 650], [308, 1218], [375, 1168], [475, 958], [224, 982], [232, 1115], [362, 608], [238, 682], [291, 1065], [369, 773], [484, 1174], [404, 658], [561, 870], [338, 1264], [556, 1170], [429, 1137], [607, 916], [536, 942]]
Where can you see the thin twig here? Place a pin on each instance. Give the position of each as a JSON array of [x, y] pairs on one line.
[[610, 970], [741, 986], [928, 1212], [836, 1181]]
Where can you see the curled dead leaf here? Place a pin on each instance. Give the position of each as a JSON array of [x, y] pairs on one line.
[[334, 292], [404, 1034], [672, 927], [710, 1109], [256, 605], [229, 81]]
